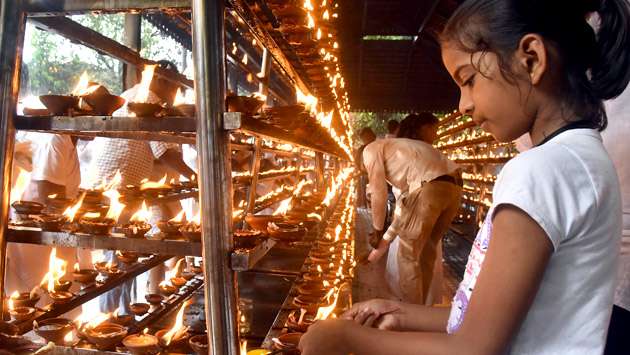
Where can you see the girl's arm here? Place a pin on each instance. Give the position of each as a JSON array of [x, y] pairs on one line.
[[514, 265]]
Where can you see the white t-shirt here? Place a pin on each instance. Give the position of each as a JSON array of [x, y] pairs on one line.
[[55, 160], [569, 186]]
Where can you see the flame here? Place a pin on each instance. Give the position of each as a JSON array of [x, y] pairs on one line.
[[115, 207], [142, 215], [308, 5], [326, 283], [142, 94], [326, 15], [324, 312], [179, 217], [82, 85], [260, 96], [284, 207], [20, 185], [52, 196], [56, 270], [68, 338], [314, 215], [244, 60], [14, 295], [76, 267], [319, 34], [145, 331], [311, 22], [178, 328], [309, 101], [319, 269], [146, 184], [244, 347]]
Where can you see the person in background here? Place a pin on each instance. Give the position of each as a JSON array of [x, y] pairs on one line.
[[540, 277], [55, 171], [392, 128], [136, 160], [367, 136], [431, 189]]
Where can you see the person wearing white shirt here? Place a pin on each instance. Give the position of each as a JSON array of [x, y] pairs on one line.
[[430, 186], [55, 170]]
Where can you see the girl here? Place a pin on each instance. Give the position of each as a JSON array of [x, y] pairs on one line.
[[540, 276]]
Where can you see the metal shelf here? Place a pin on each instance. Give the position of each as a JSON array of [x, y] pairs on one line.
[[456, 129], [246, 259], [95, 290], [467, 142], [483, 161], [111, 242], [74, 7]]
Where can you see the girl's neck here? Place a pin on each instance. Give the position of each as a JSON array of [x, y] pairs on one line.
[[548, 120]]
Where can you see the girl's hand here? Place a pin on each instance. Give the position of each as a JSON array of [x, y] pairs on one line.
[[380, 250], [378, 313], [325, 337]]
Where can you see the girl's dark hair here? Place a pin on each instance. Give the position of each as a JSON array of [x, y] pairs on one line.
[[596, 66], [410, 125]]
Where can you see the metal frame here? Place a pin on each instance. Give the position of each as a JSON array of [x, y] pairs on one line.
[[212, 138]]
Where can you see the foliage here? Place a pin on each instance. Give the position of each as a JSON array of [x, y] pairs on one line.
[[54, 64], [375, 120]]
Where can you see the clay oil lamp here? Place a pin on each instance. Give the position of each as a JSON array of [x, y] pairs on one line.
[[60, 297], [127, 257], [144, 109], [246, 239], [107, 269], [174, 275], [122, 319], [84, 276], [53, 329], [153, 189], [187, 275], [184, 105], [59, 105], [106, 335], [166, 288], [286, 231], [154, 299], [19, 313], [25, 299], [27, 207], [299, 321], [51, 222], [140, 105], [288, 342], [139, 309], [175, 338], [138, 225], [199, 343], [57, 291], [141, 344], [314, 288], [170, 228], [62, 285], [93, 223], [192, 230], [246, 104], [308, 302], [259, 222], [95, 99]]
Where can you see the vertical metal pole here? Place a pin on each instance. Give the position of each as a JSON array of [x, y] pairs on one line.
[[12, 25], [132, 39], [215, 179], [265, 68], [319, 167]]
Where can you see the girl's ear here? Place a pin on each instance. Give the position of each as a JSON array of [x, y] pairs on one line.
[[532, 56]]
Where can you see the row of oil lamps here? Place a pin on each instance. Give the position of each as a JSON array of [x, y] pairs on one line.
[[105, 331], [89, 98], [86, 215]]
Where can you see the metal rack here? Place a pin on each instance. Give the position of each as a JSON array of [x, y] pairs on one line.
[[210, 131], [480, 157]]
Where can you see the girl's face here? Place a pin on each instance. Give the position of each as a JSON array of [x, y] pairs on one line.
[[500, 107]]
